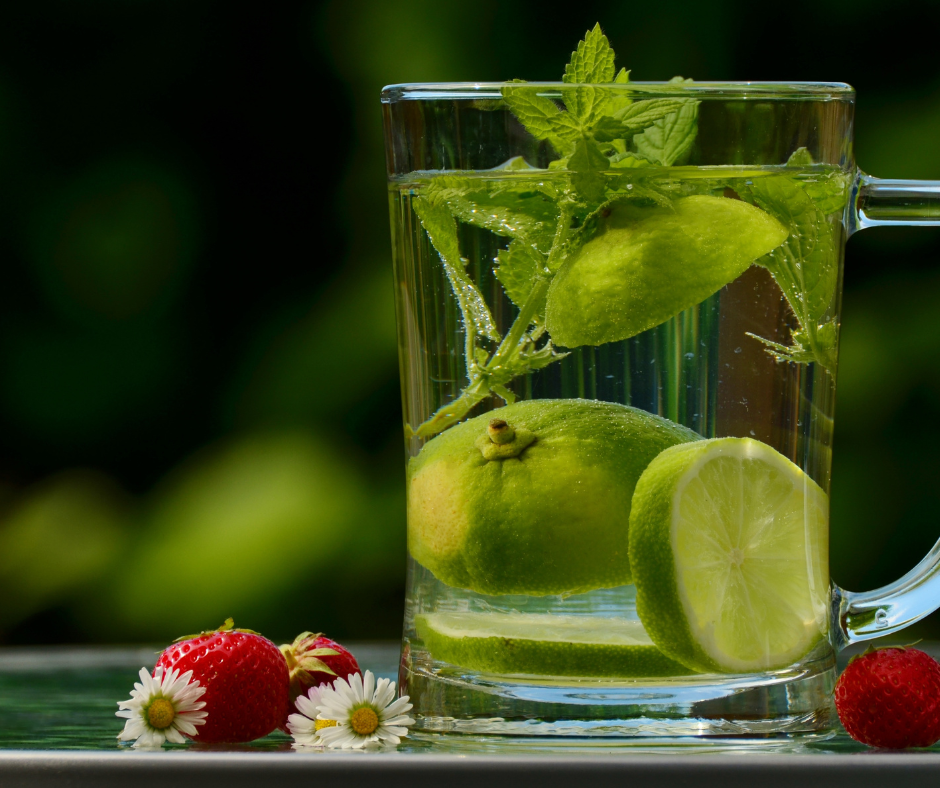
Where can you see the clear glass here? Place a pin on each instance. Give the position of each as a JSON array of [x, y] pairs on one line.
[[521, 610]]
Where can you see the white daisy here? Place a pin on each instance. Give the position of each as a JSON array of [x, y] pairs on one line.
[[162, 707], [365, 712], [305, 726]]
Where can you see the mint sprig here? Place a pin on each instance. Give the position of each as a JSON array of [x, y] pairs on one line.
[[599, 128]]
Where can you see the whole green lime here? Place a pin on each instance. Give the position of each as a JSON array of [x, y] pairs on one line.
[[536, 500], [647, 264]]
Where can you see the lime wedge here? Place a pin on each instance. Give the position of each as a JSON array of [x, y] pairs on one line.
[[730, 555], [544, 645], [647, 264]]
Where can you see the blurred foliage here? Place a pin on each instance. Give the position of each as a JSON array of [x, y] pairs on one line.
[[199, 403]]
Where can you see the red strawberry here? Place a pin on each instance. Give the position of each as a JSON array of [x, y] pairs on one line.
[[890, 697], [312, 660], [245, 678]]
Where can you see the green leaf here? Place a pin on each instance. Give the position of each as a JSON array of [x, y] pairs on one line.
[[830, 192], [587, 163], [801, 157], [670, 138], [635, 117], [514, 164], [608, 129], [512, 210], [805, 266], [442, 230], [587, 157], [806, 349], [322, 652], [629, 160], [786, 199], [588, 103], [518, 267], [593, 61], [541, 117], [641, 114], [315, 665], [619, 100], [591, 64], [530, 359]]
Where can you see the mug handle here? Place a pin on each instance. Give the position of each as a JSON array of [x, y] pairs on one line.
[[878, 202]]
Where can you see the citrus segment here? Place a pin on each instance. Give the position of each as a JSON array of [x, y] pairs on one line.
[[544, 645], [729, 548]]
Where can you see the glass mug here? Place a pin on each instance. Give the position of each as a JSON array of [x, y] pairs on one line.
[[575, 314]]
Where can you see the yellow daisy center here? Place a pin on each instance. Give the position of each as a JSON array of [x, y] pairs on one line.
[[321, 724], [161, 714], [364, 721]]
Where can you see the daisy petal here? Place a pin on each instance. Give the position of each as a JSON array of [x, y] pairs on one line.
[[368, 687], [306, 706], [398, 707]]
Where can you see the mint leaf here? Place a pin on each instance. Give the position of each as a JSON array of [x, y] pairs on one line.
[[830, 193], [785, 198], [641, 114], [529, 359], [518, 267], [519, 212], [514, 164], [618, 99], [591, 64], [820, 348], [635, 117], [804, 266], [629, 161], [587, 163], [587, 157], [670, 138], [809, 281], [441, 229], [541, 117], [593, 61], [801, 157], [588, 103]]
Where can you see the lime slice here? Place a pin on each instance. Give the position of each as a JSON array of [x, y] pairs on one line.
[[647, 264], [730, 555], [544, 645]]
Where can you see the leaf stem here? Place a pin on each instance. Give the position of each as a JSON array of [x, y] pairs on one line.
[[498, 371]]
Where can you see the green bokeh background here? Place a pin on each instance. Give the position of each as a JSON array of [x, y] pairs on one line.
[[199, 400]]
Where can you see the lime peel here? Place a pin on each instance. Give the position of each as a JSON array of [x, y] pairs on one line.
[[554, 519]]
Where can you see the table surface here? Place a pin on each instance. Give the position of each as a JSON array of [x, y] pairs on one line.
[[57, 727]]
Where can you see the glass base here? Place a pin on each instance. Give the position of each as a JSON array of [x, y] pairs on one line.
[[785, 704]]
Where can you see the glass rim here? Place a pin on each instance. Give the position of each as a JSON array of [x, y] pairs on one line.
[[784, 91]]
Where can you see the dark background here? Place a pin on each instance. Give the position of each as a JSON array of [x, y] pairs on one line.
[[199, 399]]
